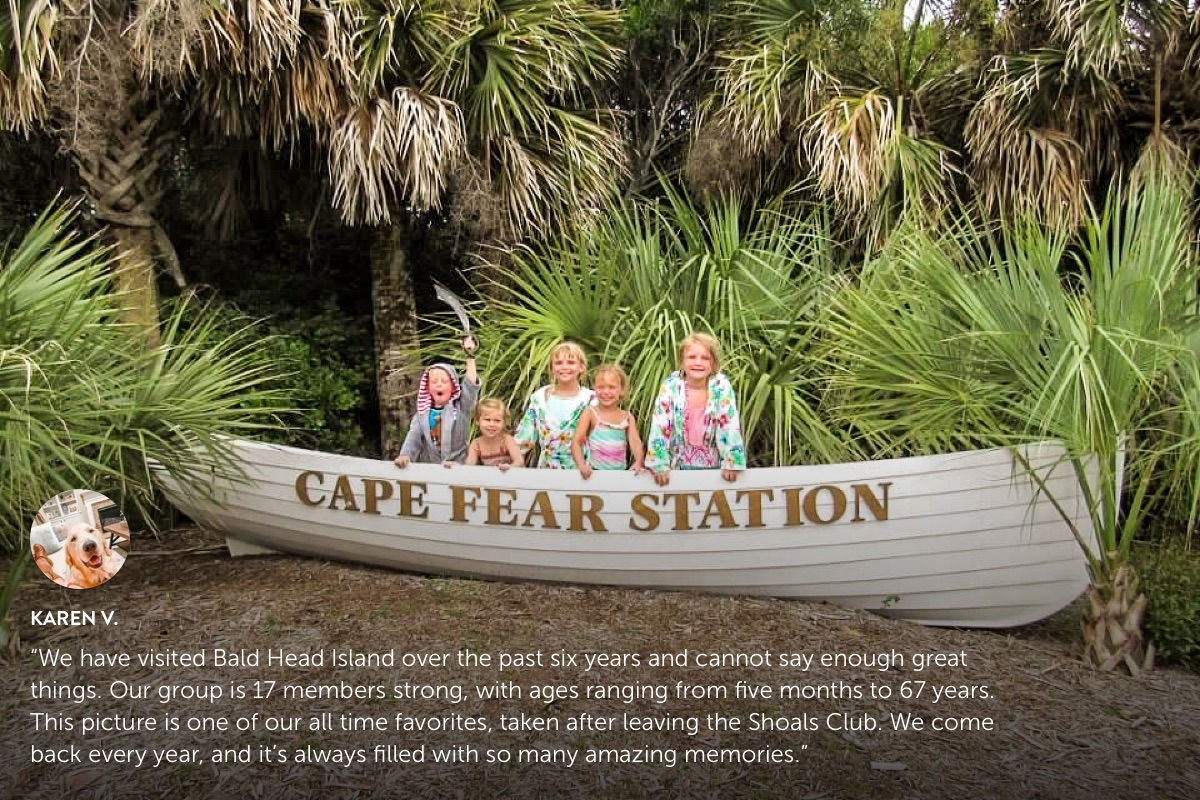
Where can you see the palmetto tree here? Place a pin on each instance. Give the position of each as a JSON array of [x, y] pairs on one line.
[[489, 99], [82, 405], [109, 76], [858, 97], [404, 100], [1081, 86], [980, 337]]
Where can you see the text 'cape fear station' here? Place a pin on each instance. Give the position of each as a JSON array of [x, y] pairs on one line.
[[587, 511]]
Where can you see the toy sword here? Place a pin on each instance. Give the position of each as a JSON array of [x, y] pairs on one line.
[[451, 299]]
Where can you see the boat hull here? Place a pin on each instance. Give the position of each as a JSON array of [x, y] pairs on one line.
[[965, 539]]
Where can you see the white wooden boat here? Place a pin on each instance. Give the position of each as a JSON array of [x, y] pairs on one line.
[[961, 539]]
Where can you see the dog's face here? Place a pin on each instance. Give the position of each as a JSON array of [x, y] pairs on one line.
[[88, 556]]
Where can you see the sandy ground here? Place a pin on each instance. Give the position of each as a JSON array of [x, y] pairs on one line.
[[1059, 729]]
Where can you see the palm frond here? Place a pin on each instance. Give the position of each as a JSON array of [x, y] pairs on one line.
[[176, 40], [513, 60], [1030, 153], [1109, 36], [324, 71], [848, 142], [1097, 32], [1191, 59], [1182, 468], [83, 404], [1162, 162], [398, 148], [400, 39], [775, 78], [550, 49], [310, 89], [28, 60], [763, 92], [925, 169], [874, 172]]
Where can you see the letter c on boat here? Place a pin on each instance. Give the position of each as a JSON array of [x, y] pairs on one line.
[[302, 487]]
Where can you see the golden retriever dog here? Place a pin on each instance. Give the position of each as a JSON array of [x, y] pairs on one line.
[[46, 565], [90, 562]]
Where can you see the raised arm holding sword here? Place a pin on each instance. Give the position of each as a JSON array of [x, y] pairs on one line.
[[439, 431]]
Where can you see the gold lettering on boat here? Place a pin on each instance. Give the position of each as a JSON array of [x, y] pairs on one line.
[[863, 493], [550, 509], [837, 498], [412, 495], [682, 523], [498, 501], [754, 506], [638, 506], [302, 487], [540, 507], [791, 498], [373, 492], [717, 504], [342, 490], [459, 502], [592, 512]]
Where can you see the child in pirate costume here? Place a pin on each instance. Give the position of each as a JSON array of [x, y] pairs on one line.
[[439, 431]]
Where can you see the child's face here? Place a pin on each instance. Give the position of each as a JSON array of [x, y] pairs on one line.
[[697, 362], [441, 388], [608, 389], [491, 423], [565, 367]]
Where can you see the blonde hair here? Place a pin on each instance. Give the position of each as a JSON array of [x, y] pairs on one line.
[[612, 369], [491, 404], [571, 349], [707, 342]]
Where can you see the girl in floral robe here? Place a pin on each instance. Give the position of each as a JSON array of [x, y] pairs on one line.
[[554, 410], [695, 423]]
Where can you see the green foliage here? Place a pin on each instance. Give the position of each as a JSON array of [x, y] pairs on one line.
[[976, 337], [330, 378], [323, 367], [645, 20], [327, 391], [1170, 577], [83, 405], [632, 285]]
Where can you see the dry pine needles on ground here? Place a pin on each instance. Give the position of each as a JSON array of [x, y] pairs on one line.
[[1060, 729]]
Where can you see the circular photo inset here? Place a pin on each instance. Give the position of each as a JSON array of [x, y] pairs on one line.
[[79, 539]]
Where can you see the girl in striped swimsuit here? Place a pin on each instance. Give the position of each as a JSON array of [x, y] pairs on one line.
[[609, 431], [493, 447]]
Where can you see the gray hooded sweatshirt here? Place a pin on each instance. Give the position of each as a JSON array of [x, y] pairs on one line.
[[455, 422]]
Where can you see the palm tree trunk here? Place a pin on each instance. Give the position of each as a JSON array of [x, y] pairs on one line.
[[134, 278], [1112, 622], [123, 181], [396, 340]]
